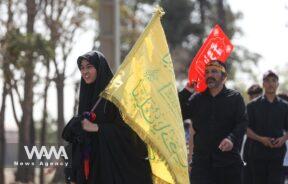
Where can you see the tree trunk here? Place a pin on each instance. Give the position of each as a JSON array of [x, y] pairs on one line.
[[202, 4], [4, 95], [59, 174], [44, 119], [60, 106], [2, 133], [32, 142], [221, 15], [26, 174]]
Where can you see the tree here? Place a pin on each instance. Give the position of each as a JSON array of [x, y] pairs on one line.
[[45, 114], [21, 52], [194, 20], [2, 132], [63, 19], [27, 174], [5, 92]]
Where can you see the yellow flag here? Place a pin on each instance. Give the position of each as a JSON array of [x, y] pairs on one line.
[[144, 89]]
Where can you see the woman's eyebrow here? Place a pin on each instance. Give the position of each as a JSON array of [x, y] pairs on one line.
[[84, 64]]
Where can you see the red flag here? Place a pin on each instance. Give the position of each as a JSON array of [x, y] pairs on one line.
[[216, 47]]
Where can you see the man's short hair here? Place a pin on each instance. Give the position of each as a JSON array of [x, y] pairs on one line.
[[255, 89]]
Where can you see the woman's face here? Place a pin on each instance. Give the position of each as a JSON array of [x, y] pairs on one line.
[[88, 72]]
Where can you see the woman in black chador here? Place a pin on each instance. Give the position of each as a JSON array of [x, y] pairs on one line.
[[104, 150]]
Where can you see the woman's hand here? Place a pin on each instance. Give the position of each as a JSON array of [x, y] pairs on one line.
[[89, 126]]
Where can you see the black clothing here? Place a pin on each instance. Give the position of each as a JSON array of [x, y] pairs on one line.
[[215, 118], [205, 174], [269, 120], [228, 175], [116, 154], [247, 170], [247, 173], [267, 171]]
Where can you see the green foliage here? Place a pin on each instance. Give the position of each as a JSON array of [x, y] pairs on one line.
[[187, 24], [17, 45], [177, 21]]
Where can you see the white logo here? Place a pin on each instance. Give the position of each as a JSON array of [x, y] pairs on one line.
[[44, 153]]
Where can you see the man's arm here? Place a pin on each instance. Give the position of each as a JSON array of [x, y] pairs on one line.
[[184, 96], [279, 142], [267, 141], [238, 131], [241, 122]]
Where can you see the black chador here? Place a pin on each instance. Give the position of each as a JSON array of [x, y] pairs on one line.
[[116, 154]]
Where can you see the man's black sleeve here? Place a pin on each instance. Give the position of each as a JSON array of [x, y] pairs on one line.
[[286, 118], [241, 121], [185, 105], [250, 114]]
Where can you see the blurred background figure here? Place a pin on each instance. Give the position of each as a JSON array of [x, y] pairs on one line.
[[189, 133], [284, 96], [254, 91]]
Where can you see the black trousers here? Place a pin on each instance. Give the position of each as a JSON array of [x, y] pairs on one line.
[[247, 173], [285, 174], [207, 174], [267, 171]]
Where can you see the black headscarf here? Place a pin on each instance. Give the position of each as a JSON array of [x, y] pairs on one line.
[[89, 92]]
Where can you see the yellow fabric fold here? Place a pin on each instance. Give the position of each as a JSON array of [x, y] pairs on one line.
[[144, 89]]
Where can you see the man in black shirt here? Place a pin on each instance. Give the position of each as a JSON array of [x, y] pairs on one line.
[[219, 120], [268, 120], [253, 92]]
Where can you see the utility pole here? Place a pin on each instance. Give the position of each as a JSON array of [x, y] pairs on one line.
[[109, 23]]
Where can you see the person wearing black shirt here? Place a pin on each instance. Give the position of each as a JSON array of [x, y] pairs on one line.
[[268, 121], [284, 96], [253, 92], [219, 120]]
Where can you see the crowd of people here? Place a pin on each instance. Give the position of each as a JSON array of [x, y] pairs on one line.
[[234, 143], [108, 151]]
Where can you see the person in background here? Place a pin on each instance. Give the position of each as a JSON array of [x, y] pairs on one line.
[[284, 96], [268, 122], [189, 133], [253, 92]]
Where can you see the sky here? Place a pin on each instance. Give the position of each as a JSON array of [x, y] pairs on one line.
[[265, 28]]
